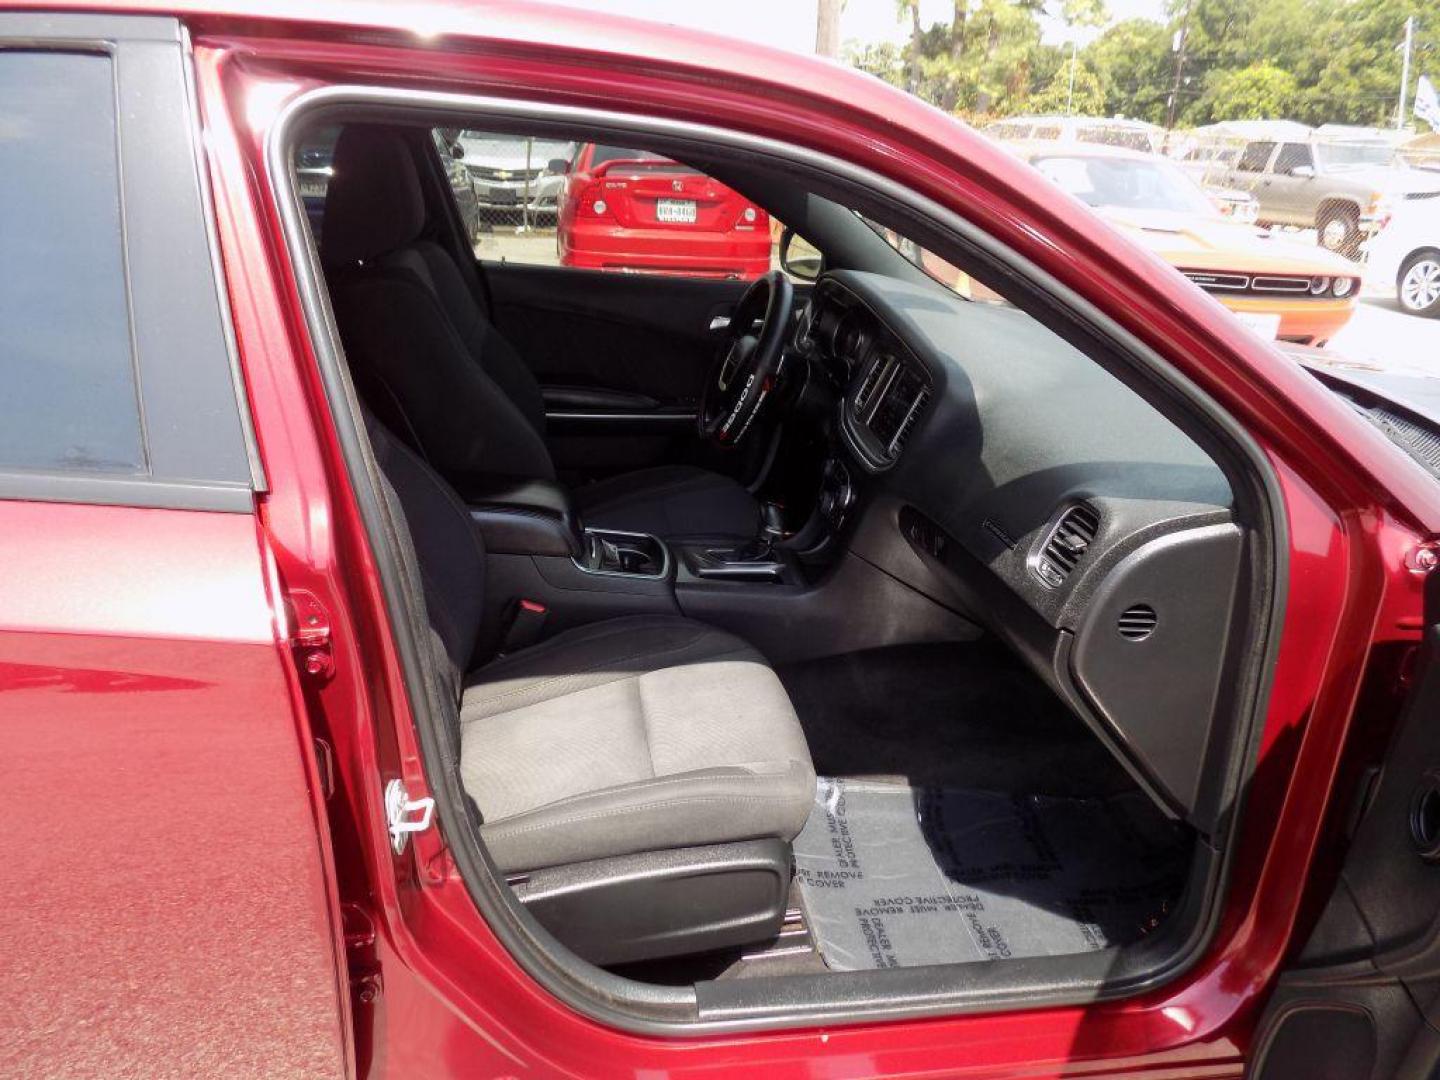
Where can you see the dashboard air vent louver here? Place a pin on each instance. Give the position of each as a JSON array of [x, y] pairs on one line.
[[897, 441], [872, 380], [1137, 622], [1072, 535]]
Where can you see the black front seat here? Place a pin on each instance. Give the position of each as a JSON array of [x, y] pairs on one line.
[[600, 757], [429, 362]]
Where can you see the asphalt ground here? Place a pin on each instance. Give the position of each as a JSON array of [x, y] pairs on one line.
[[1380, 334]]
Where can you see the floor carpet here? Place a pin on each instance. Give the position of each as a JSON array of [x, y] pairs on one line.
[[953, 715]]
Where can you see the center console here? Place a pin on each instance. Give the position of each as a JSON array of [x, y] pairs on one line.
[[755, 560], [628, 554], [548, 570]]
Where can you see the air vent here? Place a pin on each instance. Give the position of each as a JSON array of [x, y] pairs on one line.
[[897, 441], [872, 379], [1137, 622], [1068, 541]]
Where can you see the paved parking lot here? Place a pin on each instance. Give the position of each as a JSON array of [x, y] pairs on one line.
[[1383, 335]]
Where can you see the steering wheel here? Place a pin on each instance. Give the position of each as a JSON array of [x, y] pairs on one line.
[[744, 372]]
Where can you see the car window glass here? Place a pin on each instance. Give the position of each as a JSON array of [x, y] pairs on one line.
[[70, 400], [641, 159], [312, 172], [1126, 183], [1255, 157], [1291, 156], [937, 268], [1111, 135], [1338, 157], [599, 206]]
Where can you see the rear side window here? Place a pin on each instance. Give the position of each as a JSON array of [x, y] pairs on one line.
[[1255, 156], [66, 356], [604, 155], [1292, 156], [119, 380]]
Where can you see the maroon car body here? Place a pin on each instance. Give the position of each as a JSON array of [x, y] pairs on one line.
[[201, 707]]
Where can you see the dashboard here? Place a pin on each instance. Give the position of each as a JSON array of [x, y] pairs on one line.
[[1008, 476], [888, 389]]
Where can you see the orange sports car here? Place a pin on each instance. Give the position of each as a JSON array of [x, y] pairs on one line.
[[1282, 288]]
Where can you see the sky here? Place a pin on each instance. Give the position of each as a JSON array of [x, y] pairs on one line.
[[790, 24]]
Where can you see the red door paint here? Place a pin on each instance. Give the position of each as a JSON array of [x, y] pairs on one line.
[[168, 911]]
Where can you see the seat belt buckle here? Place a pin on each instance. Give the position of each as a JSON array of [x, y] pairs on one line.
[[526, 623]]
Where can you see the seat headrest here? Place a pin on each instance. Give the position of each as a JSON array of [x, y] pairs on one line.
[[373, 204]]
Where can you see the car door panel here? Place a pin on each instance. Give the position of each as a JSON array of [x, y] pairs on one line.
[[635, 334], [1251, 170], [1362, 999], [621, 358], [1290, 199], [175, 877]]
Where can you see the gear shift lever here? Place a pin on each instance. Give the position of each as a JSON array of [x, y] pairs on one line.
[[762, 548]]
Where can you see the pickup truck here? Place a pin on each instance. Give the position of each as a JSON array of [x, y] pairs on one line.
[[417, 664], [1344, 191]]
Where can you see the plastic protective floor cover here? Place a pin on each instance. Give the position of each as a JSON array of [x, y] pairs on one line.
[[895, 876]]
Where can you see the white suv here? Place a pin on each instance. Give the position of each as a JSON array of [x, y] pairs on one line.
[[1405, 256]]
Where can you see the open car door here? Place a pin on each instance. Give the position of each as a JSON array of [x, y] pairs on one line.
[[1361, 1001]]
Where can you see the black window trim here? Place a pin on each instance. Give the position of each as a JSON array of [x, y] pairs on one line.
[[188, 463]]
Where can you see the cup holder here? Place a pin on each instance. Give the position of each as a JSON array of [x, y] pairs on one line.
[[624, 554], [1425, 817]]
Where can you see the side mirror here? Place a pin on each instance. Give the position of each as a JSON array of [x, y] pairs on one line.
[[798, 257], [457, 151], [1305, 172], [559, 166]]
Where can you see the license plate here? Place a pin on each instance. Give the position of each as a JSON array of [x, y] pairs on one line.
[[499, 196], [1267, 326], [675, 211]]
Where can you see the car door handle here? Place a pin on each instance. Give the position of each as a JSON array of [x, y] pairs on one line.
[[719, 322]]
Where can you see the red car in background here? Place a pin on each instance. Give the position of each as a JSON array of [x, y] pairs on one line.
[[635, 211]]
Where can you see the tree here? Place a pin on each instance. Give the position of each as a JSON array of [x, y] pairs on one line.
[[983, 59], [1084, 12], [1309, 60], [827, 28], [1088, 98], [912, 9], [885, 60], [1258, 92], [1133, 62]]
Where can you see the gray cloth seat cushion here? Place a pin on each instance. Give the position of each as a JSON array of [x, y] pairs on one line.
[[636, 734], [672, 501]]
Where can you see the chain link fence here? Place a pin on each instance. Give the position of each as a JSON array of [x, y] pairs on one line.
[[509, 189]]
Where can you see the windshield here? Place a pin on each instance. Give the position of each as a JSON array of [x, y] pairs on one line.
[[1126, 183], [1113, 135], [1336, 156], [935, 267]]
